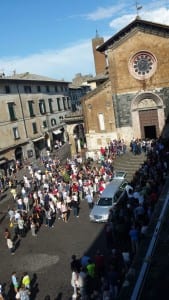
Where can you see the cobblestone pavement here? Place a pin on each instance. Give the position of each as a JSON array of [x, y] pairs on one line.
[[47, 257]]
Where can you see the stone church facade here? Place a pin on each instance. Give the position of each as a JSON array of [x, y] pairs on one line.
[[138, 70]]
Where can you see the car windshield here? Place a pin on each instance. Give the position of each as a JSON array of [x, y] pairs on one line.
[[119, 174], [105, 202]]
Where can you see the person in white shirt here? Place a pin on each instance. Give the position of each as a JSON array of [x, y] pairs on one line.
[[17, 216], [75, 205], [21, 229], [11, 214], [82, 280], [20, 204], [46, 186], [26, 203], [64, 211], [74, 283], [128, 189], [58, 209], [89, 199]]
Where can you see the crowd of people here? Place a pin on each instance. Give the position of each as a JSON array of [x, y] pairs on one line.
[[137, 146], [56, 190], [102, 276]]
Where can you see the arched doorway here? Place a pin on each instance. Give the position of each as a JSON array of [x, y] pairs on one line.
[[149, 124], [148, 118], [76, 137], [79, 136]]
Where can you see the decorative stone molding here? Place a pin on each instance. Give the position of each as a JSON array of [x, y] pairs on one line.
[[146, 100]]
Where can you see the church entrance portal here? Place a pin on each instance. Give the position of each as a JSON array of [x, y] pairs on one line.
[[148, 115], [150, 132], [149, 123]]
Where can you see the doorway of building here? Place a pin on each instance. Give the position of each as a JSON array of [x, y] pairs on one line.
[[149, 123], [79, 137], [18, 153], [150, 132]]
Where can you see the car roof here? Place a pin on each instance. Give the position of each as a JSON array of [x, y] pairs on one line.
[[111, 188]]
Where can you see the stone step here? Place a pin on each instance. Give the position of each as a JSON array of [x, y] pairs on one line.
[[129, 163], [131, 156]]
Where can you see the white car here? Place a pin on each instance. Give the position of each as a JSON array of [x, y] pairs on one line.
[[113, 193], [119, 175]]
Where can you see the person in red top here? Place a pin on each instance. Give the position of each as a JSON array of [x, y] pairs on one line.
[[100, 263], [101, 187], [55, 191], [73, 177], [153, 198], [102, 151], [74, 187]]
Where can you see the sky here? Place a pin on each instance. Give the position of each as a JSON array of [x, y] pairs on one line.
[[54, 38]]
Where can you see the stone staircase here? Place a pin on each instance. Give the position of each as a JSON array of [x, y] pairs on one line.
[[129, 163]]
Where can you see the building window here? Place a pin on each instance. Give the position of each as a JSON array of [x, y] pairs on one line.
[[38, 88], [50, 105], [61, 118], [31, 112], [68, 103], [53, 122], [34, 128], [58, 103], [44, 124], [47, 89], [12, 111], [56, 89], [101, 121], [27, 89], [7, 89], [16, 133], [42, 107], [64, 103]]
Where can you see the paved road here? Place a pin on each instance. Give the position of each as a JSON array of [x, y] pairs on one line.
[[47, 256]]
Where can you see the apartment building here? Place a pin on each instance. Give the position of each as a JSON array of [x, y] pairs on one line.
[[32, 111], [76, 93]]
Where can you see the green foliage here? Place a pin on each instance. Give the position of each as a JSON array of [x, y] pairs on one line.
[[66, 177]]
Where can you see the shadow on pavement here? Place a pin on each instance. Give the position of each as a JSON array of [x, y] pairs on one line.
[[47, 297], [3, 196], [34, 287], [11, 293], [59, 297], [3, 218], [17, 244]]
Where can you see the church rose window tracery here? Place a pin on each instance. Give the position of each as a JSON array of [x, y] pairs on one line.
[[142, 65]]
